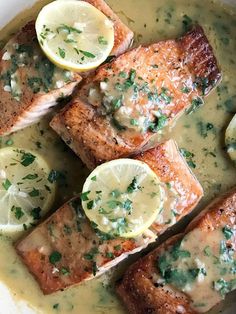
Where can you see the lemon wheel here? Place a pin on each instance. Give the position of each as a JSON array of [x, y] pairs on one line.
[[25, 192], [122, 197], [74, 34]]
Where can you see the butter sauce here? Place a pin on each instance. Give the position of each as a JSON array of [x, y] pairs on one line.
[[202, 267], [151, 22]]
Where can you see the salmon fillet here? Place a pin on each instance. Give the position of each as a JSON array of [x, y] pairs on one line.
[[123, 35], [29, 83], [81, 251], [128, 101], [143, 289]]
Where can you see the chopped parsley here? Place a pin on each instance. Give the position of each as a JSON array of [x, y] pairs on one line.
[[35, 84], [166, 98], [70, 41], [91, 254], [116, 104], [34, 193], [204, 128], [65, 271], [226, 252], [196, 103], [133, 186], [123, 74], [90, 204], [6, 184], [187, 22], [134, 122], [109, 255], [117, 247], [18, 212], [67, 229], [62, 52], [87, 54], [68, 29], [185, 90], [55, 257], [121, 227], [102, 40], [207, 251], [35, 213], [178, 277], [159, 123], [128, 205], [9, 142], [30, 177], [228, 232], [55, 306], [84, 196], [27, 159], [188, 156], [114, 204], [223, 286], [55, 176], [203, 83]]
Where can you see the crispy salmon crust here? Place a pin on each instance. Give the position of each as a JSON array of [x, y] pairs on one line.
[[170, 65], [85, 251], [34, 80], [137, 289], [123, 35]]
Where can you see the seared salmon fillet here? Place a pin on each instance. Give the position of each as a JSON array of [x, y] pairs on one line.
[[191, 272], [29, 83], [123, 35], [119, 109], [67, 249]]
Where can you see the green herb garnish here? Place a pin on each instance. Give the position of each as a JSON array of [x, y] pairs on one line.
[[18, 212], [62, 52], [27, 159], [6, 184], [55, 257], [87, 54], [102, 40]]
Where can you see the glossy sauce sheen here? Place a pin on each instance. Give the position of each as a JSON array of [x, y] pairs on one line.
[[205, 265], [202, 134]]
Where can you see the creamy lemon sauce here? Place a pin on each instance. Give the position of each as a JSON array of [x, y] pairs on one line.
[[203, 268], [200, 135]]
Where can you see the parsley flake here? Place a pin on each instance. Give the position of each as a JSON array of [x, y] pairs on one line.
[[55, 257], [27, 159], [6, 184]]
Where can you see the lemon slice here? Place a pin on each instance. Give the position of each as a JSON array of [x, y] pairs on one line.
[[25, 192], [122, 197], [230, 139], [74, 34]]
